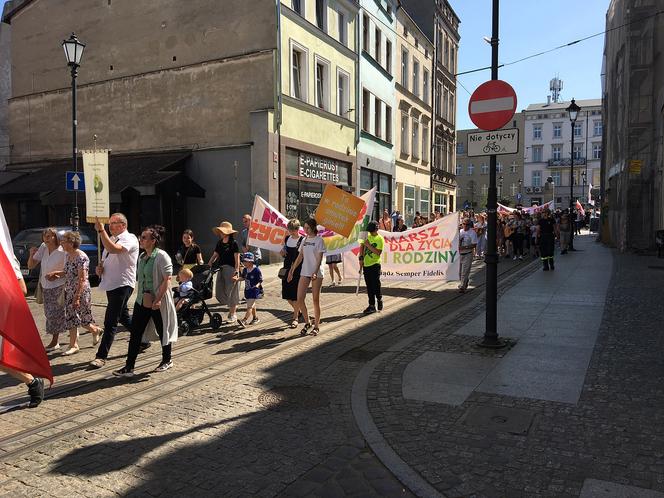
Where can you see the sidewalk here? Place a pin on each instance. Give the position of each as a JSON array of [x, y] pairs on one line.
[[573, 408]]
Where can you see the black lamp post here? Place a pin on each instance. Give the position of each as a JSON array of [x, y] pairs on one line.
[[74, 51], [500, 187], [520, 182], [573, 111]]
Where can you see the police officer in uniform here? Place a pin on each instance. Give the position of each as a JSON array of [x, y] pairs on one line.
[[547, 232]]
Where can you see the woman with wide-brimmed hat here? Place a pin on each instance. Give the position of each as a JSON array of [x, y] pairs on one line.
[[227, 254]]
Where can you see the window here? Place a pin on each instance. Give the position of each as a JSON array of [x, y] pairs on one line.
[[556, 152], [383, 184], [578, 151], [388, 56], [321, 14], [461, 148], [298, 6], [425, 86], [378, 118], [404, 133], [343, 93], [471, 169], [366, 110], [341, 27], [452, 60], [484, 169], [513, 189], [459, 169], [322, 84], [446, 101], [409, 203], [557, 130], [499, 168], [440, 202], [416, 77], [597, 151], [425, 144], [446, 55], [513, 168], [537, 178], [425, 196], [578, 129], [537, 132], [416, 139], [597, 128], [439, 107], [452, 114], [537, 154], [404, 68], [485, 189], [388, 123], [556, 177], [365, 33], [378, 48], [298, 73]]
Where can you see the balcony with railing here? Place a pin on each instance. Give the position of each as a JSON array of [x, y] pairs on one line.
[[564, 163]]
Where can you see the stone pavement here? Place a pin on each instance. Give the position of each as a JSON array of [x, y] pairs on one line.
[[572, 408]]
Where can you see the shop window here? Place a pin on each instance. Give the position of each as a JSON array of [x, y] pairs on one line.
[[409, 204], [425, 201], [383, 184]]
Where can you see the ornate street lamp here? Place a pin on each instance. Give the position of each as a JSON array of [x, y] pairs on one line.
[[74, 52], [573, 111]]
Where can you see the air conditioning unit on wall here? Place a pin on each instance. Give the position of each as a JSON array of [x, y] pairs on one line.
[[529, 190], [537, 190]]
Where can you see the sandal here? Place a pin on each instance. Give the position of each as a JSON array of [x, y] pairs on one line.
[[315, 331], [305, 329], [294, 324]]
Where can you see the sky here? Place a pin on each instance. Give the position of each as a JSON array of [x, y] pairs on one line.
[[528, 27]]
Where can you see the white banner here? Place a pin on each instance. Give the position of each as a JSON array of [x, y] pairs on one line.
[[95, 171], [430, 252], [268, 227], [502, 209]]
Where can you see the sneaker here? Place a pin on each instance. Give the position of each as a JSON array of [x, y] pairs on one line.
[[36, 392], [255, 321], [520, 258], [380, 305], [232, 319], [71, 351], [164, 366], [124, 372], [53, 348], [241, 323], [97, 363], [514, 258], [144, 346], [369, 310]]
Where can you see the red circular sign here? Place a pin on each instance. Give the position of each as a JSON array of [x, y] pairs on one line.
[[492, 105]]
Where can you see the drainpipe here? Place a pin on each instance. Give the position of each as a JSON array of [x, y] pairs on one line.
[[357, 100], [278, 101]]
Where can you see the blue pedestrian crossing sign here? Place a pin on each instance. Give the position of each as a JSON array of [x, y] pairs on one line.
[[518, 196], [74, 181]]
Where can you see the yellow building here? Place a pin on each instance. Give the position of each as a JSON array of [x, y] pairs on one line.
[[316, 118], [413, 118]]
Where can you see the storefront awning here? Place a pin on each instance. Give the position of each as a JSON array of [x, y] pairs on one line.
[[142, 172]]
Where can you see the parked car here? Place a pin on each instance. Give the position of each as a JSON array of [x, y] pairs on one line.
[[32, 237]]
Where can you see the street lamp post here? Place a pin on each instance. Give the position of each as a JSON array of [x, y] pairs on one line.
[[500, 187], [573, 111], [520, 182], [74, 52]]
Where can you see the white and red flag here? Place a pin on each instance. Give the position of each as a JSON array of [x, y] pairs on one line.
[[21, 347], [579, 208]]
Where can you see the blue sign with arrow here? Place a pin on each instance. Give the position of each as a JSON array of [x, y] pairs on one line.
[[74, 181]]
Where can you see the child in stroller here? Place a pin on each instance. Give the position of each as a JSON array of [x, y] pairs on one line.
[[193, 309]]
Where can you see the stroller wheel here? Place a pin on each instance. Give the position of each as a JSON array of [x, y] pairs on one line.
[[216, 321], [184, 328]]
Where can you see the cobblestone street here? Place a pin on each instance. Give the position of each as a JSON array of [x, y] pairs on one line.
[[264, 412]]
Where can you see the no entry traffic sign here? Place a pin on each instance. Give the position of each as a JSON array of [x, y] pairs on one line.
[[492, 105]]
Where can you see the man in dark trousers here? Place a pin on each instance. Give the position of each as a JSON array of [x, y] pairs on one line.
[[370, 252], [547, 232]]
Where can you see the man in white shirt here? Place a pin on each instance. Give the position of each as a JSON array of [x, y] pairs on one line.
[[467, 244], [117, 270]]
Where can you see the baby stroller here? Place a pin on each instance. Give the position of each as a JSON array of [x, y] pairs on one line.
[[192, 314]]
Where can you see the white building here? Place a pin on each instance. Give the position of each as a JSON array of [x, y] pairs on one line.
[[547, 152]]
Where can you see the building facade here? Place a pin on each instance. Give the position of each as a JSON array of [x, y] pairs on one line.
[[439, 23], [316, 125], [548, 154], [5, 93], [413, 119], [375, 151], [633, 91], [201, 111], [472, 173]]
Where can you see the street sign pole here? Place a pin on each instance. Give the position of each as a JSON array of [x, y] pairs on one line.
[[491, 339]]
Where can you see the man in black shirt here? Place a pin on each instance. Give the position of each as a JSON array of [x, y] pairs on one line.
[[547, 232]]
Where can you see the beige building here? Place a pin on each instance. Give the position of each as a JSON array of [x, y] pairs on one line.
[[414, 119], [203, 107]]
